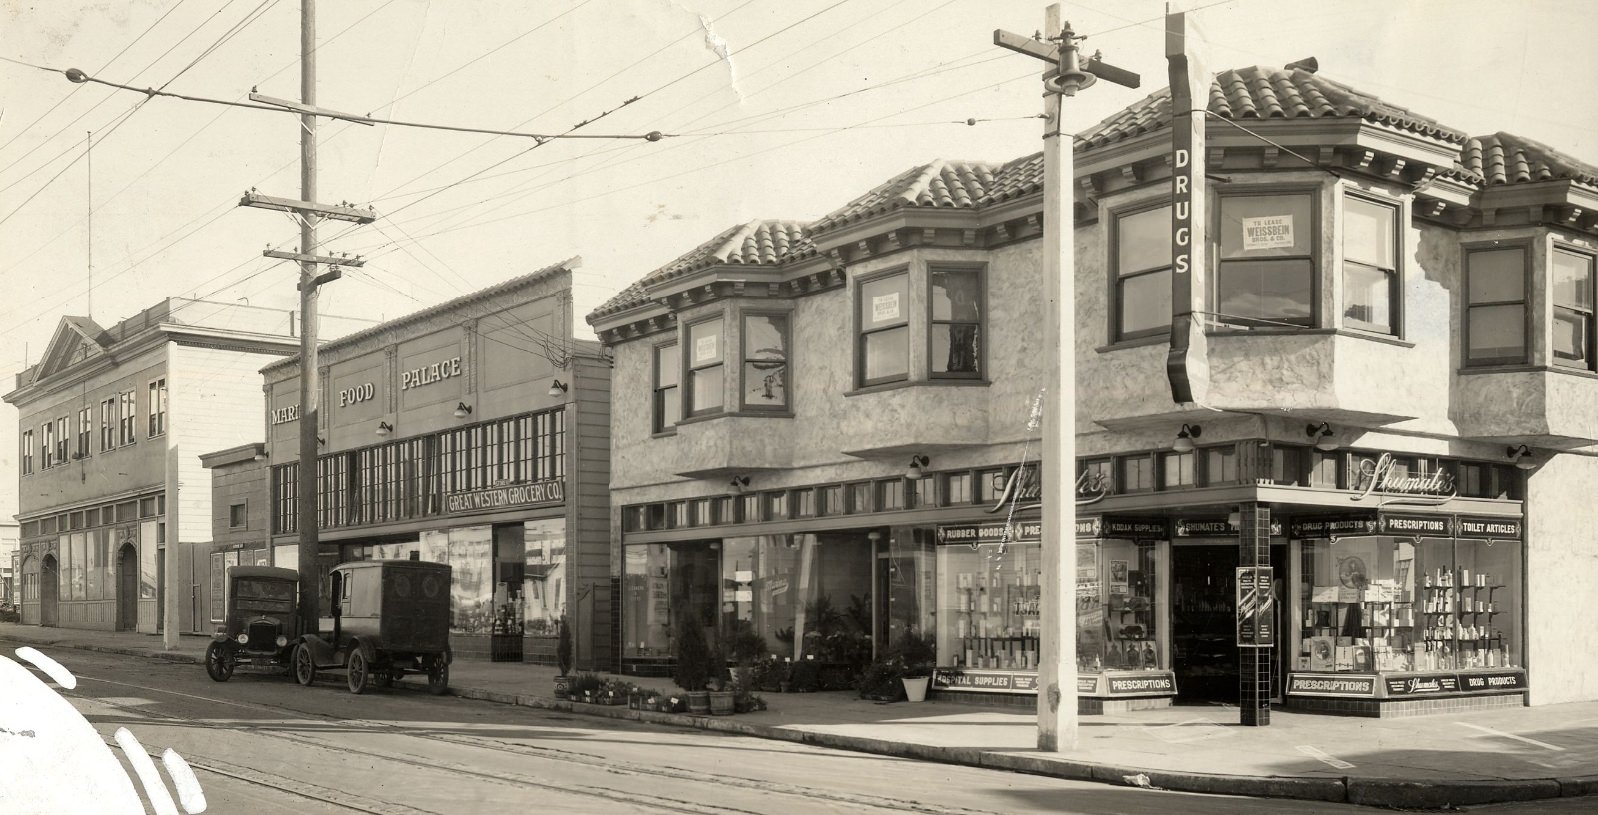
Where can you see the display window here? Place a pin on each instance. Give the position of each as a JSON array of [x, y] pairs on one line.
[[1399, 604], [1118, 612], [988, 606]]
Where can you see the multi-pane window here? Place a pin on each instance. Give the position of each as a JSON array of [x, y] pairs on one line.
[[1176, 470], [667, 407], [47, 434], [1288, 465], [128, 404], [1220, 465], [1573, 309], [1495, 306], [957, 488], [1267, 260], [956, 328], [63, 440], [1096, 478], [1136, 473], [156, 407], [1323, 470], [765, 362], [1143, 273], [706, 367], [27, 452], [285, 498], [884, 341], [1370, 269], [85, 430], [108, 424]]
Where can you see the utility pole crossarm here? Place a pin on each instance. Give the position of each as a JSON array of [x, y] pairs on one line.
[[329, 211], [329, 260], [311, 110]]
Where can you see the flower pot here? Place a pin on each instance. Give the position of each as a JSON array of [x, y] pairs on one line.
[[699, 701], [563, 687], [915, 687], [721, 702]]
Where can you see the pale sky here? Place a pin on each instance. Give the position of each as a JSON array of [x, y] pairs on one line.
[[166, 181]]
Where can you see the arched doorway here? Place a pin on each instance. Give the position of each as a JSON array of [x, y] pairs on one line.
[[127, 588], [49, 584]]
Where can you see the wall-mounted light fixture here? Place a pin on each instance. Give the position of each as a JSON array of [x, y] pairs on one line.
[[1322, 434], [1234, 518], [463, 410], [321, 442], [557, 388], [1520, 454], [384, 428], [917, 461], [260, 457], [739, 483], [1185, 437]]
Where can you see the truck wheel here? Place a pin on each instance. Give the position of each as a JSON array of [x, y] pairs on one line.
[[359, 672], [438, 675], [304, 665], [218, 662]]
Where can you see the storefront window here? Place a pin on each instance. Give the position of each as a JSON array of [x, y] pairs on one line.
[[469, 553], [1116, 615], [906, 583], [544, 575], [988, 606], [661, 584], [1379, 603], [759, 578]]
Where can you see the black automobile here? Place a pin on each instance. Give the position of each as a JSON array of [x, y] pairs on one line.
[[260, 629]]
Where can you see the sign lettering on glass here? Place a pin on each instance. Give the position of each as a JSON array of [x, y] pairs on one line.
[[885, 307], [428, 374], [1268, 232]]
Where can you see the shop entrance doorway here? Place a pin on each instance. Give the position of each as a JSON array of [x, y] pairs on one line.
[[1204, 651], [49, 590]]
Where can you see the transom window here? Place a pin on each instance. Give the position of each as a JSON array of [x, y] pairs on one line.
[[1495, 310], [956, 328], [706, 367], [1573, 309], [765, 362], [1266, 275], [884, 342], [1370, 271], [667, 407], [1143, 273]]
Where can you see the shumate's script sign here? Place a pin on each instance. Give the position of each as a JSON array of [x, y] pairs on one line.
[[1187, 363], [1023, 489], [1398, 486]]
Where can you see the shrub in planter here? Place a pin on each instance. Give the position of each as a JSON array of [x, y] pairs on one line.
[[563, 659], [585, 686], [693, 670], [804, 676]]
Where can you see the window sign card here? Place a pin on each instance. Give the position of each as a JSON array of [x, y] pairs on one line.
[[705, 348], [1268, 232], [885, 307]]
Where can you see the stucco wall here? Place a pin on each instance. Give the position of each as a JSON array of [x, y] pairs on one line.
[[1562, 570]]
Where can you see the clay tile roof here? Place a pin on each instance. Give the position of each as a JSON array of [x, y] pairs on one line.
[[1266, 93], [1504, 158], [756, 243], [1017, 178], [941, 184]]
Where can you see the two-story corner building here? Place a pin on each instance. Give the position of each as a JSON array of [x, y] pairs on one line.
[[473, 433], [829, 427], [113, 421], [239, 523]]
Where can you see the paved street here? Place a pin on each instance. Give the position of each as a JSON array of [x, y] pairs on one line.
[[399, 752]]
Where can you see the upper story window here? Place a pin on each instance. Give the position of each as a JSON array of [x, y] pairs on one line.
[[1573, 309], [884, 341], [1495, 306], [27, 452], [108, 424], [706, 367], [667, 408], [157, 407], [1370, 270], [956, 328], [238, 515], [1142, 273], [1266, 274], [63, 440], [765, 362], [85, 430], [47, 434], [128, 405]]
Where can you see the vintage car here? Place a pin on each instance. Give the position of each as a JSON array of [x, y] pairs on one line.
[[386, 619], [260, 622]]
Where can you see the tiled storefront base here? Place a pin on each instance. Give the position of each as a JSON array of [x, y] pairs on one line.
[[1399, 708]]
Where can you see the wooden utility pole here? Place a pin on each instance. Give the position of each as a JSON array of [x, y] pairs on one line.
[[1067, 74], [309, 215]]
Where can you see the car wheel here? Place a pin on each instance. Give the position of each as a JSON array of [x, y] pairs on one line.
[[218, 662], [304, 665], [360, 672], [438, 675]]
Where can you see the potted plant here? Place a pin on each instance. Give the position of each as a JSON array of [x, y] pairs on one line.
[[563, 659], [916, 654], [745, 647], [721, 692], [586, 686], [692, 672]]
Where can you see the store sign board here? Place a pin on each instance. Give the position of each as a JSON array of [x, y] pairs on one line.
[[998, 532], [1397, 486], [985, 681], [1212, 528], [1141, 684], [1022, 490], [1091, 526], [284, 415], [513, 495], [430, 373], [1256, 607], [1088, 684], [1489, 528], [1422, 685], [1395, 523], [1327, 525], [1158, 528], [1341, 685], [1493, 681]]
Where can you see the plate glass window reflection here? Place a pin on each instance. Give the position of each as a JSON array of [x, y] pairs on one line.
[[1573, 309], [765, 362], [956, 328]]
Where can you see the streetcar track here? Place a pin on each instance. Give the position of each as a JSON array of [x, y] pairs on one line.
[[591, 760]]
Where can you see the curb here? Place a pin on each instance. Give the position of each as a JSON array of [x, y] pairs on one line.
[[1380, 792]]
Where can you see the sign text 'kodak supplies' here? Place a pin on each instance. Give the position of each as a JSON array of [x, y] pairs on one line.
[[515, 495], [428, 374], [284, 415]]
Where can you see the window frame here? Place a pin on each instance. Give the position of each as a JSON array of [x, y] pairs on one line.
[[744, 360], [109, 422], [85, 431], [1589, 310], [1395, 275], [63, 441], [127, 418], [156, 413], [686, 381], [659, 394], [980, 270], [1317, 270], [47, 444], [1466, 250], [242, 504], [27, 452], [1115, 278], [861, 333]]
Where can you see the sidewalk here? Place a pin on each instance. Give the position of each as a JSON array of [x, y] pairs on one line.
[[1438, 761]]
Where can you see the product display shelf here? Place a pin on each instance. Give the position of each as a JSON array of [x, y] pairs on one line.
[[994, 627]]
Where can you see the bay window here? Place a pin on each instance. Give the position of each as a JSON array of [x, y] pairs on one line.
[[1573, 309], [706, 367], [1370, 271], [1142, 274], [1266, 275], [883, 350], [1495, 306], [765, 362], [667, 409], [955, 331]]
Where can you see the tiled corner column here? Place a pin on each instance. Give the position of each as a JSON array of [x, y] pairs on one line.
[[1254, 664]]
